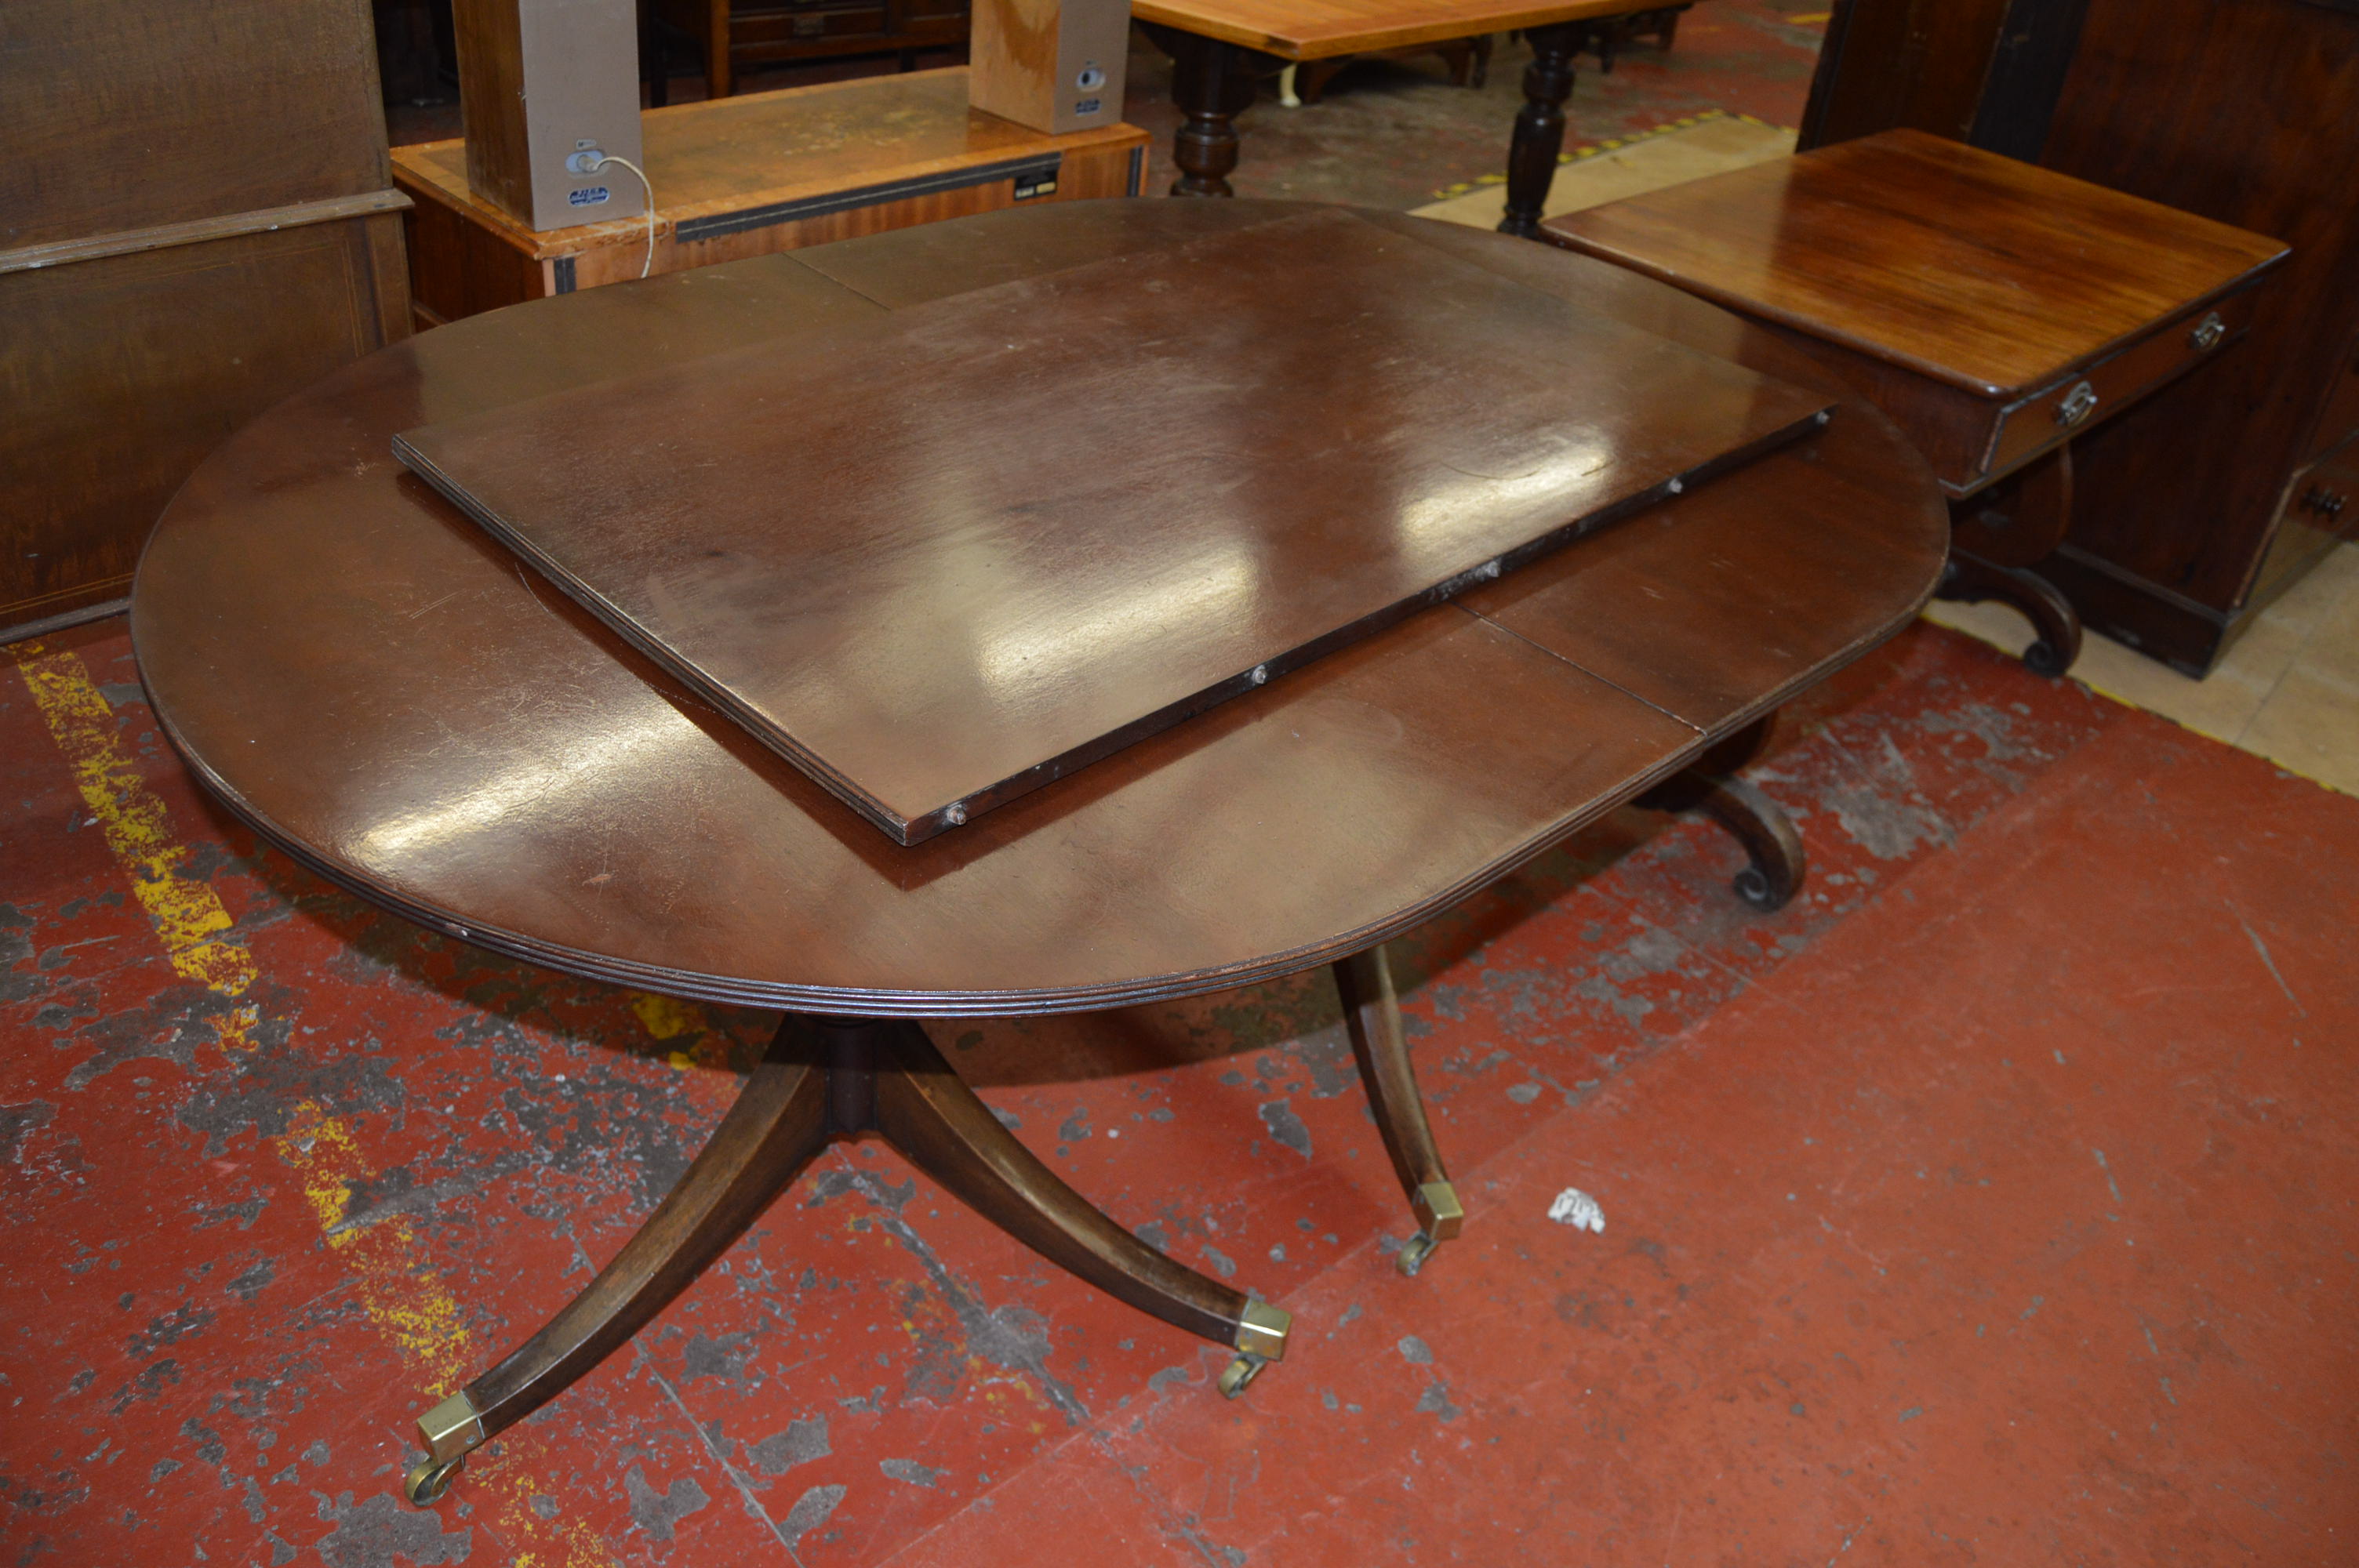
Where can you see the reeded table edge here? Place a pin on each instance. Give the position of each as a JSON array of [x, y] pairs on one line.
[[857, 1003]]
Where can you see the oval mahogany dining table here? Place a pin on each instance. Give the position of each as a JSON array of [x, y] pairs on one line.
[[379, 689]]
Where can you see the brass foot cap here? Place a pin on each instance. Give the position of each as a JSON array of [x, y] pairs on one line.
[[1438, 1213], [1262, 1331], [451, 1429]]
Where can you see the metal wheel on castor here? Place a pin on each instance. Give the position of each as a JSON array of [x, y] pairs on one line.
[[426, 1484]]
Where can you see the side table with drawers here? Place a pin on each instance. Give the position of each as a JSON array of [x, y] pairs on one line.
[[1994, 309]]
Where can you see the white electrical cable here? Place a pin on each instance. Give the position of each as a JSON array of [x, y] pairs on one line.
[[647, 186]]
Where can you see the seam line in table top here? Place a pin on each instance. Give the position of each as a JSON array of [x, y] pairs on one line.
[[1577, 665]]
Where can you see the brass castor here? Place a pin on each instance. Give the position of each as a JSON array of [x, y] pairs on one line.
[[1241, 1373], [1440, 1217], [428, 1482]]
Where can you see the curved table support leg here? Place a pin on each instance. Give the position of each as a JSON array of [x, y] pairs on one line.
[[1971, 579], [1770, 840], [1997, 539], [779, 1123], [837, 1077], [1539, 125], [1372, 1018], [926, 1111], [1772, 843]]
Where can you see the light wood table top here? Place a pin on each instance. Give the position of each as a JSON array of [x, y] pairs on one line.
[[1315, 30], [713, 161]]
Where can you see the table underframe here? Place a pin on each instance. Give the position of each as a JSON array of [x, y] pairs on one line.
[[824, 1078], [1214, 81]]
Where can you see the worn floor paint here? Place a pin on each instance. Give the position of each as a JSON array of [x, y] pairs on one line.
[[2053, 1059]]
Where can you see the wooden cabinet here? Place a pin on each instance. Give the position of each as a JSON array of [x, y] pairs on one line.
[[196, 221], [756, 173], [2187, 515]]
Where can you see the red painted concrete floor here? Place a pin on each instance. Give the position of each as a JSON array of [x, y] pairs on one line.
[[1991, 1205]]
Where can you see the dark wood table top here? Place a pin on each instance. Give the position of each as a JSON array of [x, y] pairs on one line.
[[928, 558], [1986, 273], [384, 693]]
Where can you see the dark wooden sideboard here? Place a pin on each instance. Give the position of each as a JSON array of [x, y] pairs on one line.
[[738, 36], [2192, 512], [196, 219]]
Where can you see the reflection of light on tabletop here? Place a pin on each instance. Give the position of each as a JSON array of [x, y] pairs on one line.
[[1438, 519], [522, 780], [1021, 655]]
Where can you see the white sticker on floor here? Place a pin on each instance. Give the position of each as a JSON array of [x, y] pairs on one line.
[[1579, 1210]]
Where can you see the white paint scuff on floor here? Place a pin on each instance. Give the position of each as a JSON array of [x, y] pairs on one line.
[[1578, 1209]]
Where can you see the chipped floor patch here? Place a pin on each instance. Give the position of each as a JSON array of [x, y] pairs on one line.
[[1578, 1209]]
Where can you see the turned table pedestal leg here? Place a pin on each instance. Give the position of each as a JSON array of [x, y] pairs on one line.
[[1539, 125], [1212, 82]]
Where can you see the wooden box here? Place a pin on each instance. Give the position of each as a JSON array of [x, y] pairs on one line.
[[1054, 65], [541, 85], [753, 174]]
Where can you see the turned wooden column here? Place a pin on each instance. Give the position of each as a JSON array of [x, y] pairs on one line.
[[1212, 82], [1539, 125]]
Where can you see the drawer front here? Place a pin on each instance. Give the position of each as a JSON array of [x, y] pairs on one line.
[[2100, 391], [804, 25], [2340, 422], [2321, 506]]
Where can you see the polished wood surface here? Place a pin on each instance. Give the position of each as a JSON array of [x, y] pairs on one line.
[[1919, 63], [2189, 520], [926, 559], [1976, 271], [1314, 30], [2186, 529], [502, 768], [1998, 312], [194, 223], [755, 176]]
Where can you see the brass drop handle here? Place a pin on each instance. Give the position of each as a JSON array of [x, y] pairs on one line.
[[2078, 404], [2207, 333]]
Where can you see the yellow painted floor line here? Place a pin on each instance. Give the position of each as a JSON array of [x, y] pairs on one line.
[[405, 1300]]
